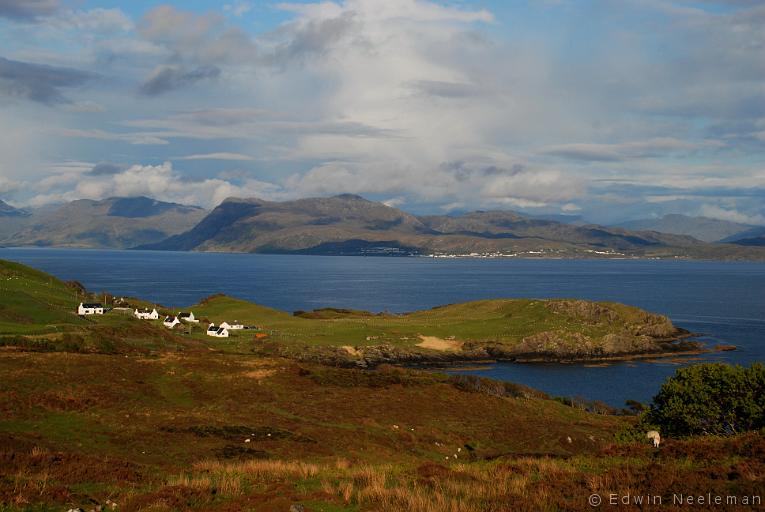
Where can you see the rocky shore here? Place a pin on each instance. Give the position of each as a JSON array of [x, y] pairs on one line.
[[612, 348]]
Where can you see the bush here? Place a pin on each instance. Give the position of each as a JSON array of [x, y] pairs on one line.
[[714, 398]]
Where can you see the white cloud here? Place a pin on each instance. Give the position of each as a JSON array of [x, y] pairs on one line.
[[158, 181], [716, 212]]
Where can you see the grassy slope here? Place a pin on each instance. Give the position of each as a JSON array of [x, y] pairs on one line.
[[42, 308], [168, 433], [33, 301]]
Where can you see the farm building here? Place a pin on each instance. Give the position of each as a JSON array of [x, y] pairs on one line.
[[171, 321], [211, 329], [146, 314], [188, 317], [221, 332], [91, 308]]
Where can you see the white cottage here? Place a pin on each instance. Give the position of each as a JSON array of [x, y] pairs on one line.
[[146, 314], [222, 332], [211, 330], [171, 321], [188, 317], [92, 308], [225, 325]]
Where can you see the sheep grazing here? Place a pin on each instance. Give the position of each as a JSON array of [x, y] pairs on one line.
[[655, 437]]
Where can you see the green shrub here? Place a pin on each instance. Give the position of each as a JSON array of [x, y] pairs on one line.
[[713, 398]]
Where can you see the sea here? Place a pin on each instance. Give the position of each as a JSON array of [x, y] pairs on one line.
[[723, 302]]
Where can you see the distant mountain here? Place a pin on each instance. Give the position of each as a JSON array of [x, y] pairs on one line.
[[753, 237], [7, 210], [117, 222], [701, 228], [349, 224]]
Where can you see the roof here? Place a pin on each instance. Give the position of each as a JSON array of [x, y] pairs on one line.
[[145, 310], [92, 305], [170, 318], [212, 327], [184, 315], [220, 330]]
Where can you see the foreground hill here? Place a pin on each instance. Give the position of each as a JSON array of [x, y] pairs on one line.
[[205, 431], [118, 222], [351, 225], [702, 228]]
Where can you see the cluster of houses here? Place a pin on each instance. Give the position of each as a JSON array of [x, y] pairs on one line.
[[219, 331]]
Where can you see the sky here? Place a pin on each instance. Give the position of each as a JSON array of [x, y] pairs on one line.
[[606, 110]]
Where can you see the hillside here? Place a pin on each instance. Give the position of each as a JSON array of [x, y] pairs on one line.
[[701, 228], [212, 432], [351, 225], [111, 223]]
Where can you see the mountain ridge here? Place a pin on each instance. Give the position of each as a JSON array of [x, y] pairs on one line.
[[706, 229], [115, 222], [352, 225]]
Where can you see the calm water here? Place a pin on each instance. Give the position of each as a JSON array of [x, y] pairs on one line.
[[723, 301]]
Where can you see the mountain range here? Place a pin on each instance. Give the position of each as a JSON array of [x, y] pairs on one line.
[[702, 228], [351, 225], [117, 222], [341, 225]]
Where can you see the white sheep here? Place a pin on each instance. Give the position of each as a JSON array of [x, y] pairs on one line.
[[655, 437]]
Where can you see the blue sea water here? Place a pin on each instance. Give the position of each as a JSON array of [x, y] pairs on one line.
[[725, 302]]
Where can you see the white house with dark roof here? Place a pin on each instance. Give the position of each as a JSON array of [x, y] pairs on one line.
[[221, 332], [90, 308], [171, 321], [147, 314], [188, 317]]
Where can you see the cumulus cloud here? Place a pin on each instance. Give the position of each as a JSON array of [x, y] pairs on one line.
[[38, 82], [158, 181], [196, 39]]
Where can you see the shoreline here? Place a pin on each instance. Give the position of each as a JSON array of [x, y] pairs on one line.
[[680, 345]]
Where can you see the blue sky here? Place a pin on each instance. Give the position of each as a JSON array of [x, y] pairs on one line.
[[608, 110]]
